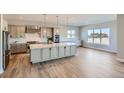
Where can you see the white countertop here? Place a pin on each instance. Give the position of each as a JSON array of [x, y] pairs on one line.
[[37, 46]]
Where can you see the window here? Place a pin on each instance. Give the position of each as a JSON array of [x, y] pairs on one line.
[[90, 36], [105, 36], [99, 36], [96, 36], [71, 34]]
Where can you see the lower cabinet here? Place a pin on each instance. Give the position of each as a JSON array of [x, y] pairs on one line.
[[73, 50], [36, 55], [18, 48], [54, 53], [61, 52], [67, 50], [46, 54]]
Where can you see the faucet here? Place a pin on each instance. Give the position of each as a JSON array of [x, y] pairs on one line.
[[16, 41]]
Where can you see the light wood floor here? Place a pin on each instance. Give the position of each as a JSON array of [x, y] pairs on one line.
[[86, 63]]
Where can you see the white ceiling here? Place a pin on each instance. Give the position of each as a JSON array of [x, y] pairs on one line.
[[73, 19]]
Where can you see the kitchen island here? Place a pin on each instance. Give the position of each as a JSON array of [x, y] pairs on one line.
[[45, 52]]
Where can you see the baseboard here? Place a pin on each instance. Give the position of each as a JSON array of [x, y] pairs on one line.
[[120, 60], [105, 50]]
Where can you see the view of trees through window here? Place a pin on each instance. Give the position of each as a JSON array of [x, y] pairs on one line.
[[105, 34], [96, 36], [99, 36]]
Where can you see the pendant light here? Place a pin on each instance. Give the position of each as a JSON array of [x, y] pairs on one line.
[[41, 33], [44, 26], [57, 30], [67, 23]]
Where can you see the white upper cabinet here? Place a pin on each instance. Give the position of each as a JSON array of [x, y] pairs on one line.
[[5, 25], [16, 31]]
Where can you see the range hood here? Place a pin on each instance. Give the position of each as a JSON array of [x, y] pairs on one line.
[[32, 29]]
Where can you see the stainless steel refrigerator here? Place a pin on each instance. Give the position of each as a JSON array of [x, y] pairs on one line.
[[6, 51]]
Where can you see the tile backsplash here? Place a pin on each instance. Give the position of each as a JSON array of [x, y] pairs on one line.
[[28, 37]]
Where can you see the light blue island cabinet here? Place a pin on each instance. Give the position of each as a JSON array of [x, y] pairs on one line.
[[45, 52]]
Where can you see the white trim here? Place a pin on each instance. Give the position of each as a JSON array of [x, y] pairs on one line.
[[120, 60], [1, 59], [111, 51], [106, 50]]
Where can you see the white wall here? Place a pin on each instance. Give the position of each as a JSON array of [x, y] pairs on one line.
[[113, 36], [63, 33], [120, 28]]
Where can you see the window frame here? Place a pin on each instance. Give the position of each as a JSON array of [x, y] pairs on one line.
[[108, 36], [71, 34], [94, 37], [91, 37], [100, 37]]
